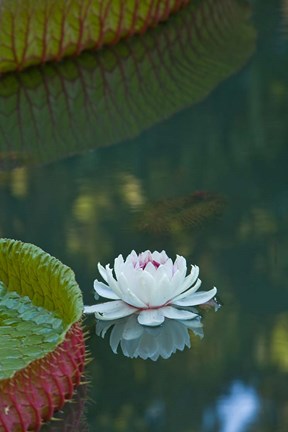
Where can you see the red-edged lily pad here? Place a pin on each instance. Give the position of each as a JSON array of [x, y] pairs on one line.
[[42, 349]]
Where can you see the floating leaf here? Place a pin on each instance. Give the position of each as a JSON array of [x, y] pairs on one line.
[[35, 31], [37, 391], [39, 301], [42, 349], [70, 106], [27, 332], [31, 272]]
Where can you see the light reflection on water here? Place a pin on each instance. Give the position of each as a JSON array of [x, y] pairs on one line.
[[285, 17], [234, 412], [83, 210]]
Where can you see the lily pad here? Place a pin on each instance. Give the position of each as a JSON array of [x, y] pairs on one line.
[[35, 31], [196, 55], [39, 301]]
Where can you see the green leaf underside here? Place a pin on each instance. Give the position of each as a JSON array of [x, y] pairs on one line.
[[27, 332], [39, 301]]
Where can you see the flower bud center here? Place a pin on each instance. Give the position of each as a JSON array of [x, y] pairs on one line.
[[155, 263]]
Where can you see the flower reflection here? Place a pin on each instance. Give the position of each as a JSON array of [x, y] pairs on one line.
[[151, 286], [147, 342]]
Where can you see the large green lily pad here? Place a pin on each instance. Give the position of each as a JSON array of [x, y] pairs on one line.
[[70, 106], [39, 301], [35, 31]]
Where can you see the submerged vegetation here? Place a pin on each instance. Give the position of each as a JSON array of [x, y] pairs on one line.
[[191, 212]]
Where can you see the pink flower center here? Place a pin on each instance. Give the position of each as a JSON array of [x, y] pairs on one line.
[[144, 264], [144, 259]]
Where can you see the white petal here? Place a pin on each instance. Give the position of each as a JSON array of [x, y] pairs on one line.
[[160, 272], [111, 310], [188, 281], [178, 314], [177, 280], [151, 317], [163, 257], [150, 268], [128, 292], [156, 256], [148, 289], [168, 266], [132, 258], [196, 298], [179, 272], [112, 282], [155, 293], [105, 291], [180, 264], [129, 271], [188, 292], [102, 272], [164, 291], [89, 309], [137, 289], [118, 265], [144, 257]]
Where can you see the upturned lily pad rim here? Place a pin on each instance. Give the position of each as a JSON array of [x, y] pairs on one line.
[[31, 265], [28, 271]]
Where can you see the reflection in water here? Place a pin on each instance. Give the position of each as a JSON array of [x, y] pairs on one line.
[[146, 342], [61, 109], [285, 14], [279, 343], [191, 211], [72, 418], [234, 412], [155, 415]]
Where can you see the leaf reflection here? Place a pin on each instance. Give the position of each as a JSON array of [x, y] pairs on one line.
[[72, 418], [146, 342]]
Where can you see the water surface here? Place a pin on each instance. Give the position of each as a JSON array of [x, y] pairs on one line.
[[95, 154]]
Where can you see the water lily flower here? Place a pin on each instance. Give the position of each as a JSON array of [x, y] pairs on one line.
[[150, 285]]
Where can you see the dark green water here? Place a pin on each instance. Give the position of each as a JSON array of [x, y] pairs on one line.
[[95, 153]]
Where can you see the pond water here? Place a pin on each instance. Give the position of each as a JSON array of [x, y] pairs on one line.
[[174, 140]]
